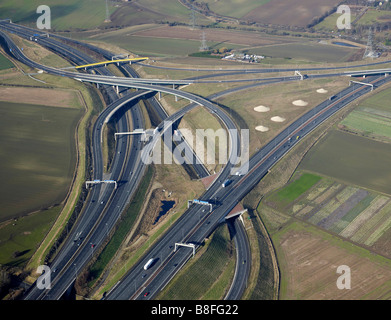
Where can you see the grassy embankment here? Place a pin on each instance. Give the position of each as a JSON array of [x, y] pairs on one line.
[[197, 280], [123, 227]]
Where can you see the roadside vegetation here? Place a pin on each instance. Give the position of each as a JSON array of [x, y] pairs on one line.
[[123, 227], [198, 280], [323, 205]]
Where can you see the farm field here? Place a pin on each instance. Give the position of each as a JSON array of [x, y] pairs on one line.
[[157, 40], [374, 16], [337, 155], [5, 63], [309, 258], [372, 117], [294, 190], [354, 213], [65, 16], [156, 47], [19, 238], [293, 13], [214, 35], [171, 9], [307, 51], [163, 41], [234, 8], [37, 154]]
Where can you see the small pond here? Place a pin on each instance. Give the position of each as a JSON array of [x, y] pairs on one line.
[[166, 206]]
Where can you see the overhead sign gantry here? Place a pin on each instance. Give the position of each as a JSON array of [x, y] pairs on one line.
[[203, 203], [101, 181]]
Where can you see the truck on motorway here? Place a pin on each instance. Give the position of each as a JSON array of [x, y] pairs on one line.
[[148, 264], [226, 183]]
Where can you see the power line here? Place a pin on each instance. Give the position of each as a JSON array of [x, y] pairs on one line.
[[204, 46], [107, 13]]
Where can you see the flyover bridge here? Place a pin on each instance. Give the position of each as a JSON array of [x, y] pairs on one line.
[[104, 63]]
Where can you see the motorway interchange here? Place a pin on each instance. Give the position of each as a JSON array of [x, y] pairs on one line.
[[105, 203]]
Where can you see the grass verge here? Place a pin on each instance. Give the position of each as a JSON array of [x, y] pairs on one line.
[[125, 224], [197, 280]]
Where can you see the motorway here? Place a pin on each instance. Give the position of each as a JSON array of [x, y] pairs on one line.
[[198, 223], [99, 197], [98, 125], [243, 259], [135, 285]]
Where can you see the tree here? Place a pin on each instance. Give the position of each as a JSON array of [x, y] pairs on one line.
[[5, 281]]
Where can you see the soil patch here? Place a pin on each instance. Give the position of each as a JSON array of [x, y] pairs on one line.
[[41, 96]]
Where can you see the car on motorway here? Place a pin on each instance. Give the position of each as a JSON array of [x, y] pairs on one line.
[[146, 293], [226, 183]]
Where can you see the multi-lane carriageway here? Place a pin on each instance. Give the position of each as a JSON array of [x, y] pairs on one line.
[[227, 198], [97, 125]]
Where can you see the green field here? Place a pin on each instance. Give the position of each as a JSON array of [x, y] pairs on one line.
[[330, 22], [151, 46], [353, 159], [354, 213], [372, 117], [37, 155], [5, 63], [295, 189], [71, 14], [234, 8], [169, 8], [307, 51], [374, 16], [368, 123], [18, 240]]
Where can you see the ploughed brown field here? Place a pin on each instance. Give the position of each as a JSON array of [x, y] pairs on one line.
[[312, 260]]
